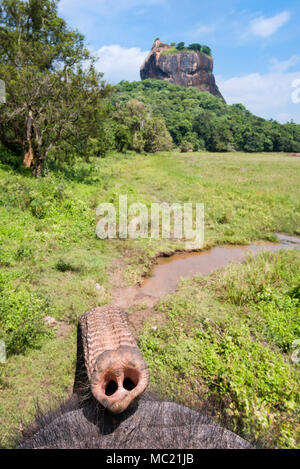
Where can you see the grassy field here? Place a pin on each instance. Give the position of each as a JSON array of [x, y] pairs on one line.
[[225, 338]]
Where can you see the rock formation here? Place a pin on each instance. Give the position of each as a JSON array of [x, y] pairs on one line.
[[184, 68]]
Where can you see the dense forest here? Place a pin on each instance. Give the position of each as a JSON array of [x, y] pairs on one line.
[[59, 108], [198, 120]]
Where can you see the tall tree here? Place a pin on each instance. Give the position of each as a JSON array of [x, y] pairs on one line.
[[53, 90]]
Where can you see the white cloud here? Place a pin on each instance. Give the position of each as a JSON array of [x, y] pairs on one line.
[[268, 95], [283, 117], [118, 63], [201, 30], [265, 27], [282, 66]]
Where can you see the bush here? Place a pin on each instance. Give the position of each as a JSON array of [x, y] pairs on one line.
[[279, 319], [9, 157], [156, 136], [123, 138], [21, 318], [206, 50], [195, 46], [67, 266], [186, 146]]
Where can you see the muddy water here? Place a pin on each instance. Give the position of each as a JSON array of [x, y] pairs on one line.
[[168, 271]]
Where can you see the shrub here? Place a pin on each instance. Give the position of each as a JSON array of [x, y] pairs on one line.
[[206, 50], [123, 138], [186, 146], [279, 319], [21, 318], [65, 266], [9, 157], [156, 136], [195, 46]]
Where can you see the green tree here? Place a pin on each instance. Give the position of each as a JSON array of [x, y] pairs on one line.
[[156, 136], [221, 137], [180, 45], [195, 46], [206, 50], [131, 115], [51, 95], [124, 140], [253, 140], [147, 133]]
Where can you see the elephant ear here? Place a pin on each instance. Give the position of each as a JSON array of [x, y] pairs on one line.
[[109, 362]]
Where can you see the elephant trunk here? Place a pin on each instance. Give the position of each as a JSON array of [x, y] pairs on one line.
[[109, 360]]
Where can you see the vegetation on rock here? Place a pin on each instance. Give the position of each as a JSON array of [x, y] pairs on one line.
[[180, 47]]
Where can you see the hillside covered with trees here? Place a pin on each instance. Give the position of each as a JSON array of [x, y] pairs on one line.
[[198, 120]]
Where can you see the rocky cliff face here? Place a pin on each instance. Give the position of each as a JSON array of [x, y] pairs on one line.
[[189, 69]]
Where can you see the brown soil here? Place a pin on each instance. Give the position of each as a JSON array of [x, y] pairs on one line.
[[130, 298], [62, 328]]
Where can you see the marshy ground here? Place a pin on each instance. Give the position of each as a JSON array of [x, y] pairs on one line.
[[226, 337]]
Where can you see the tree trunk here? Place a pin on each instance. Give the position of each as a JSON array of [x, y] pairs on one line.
[[29, 155], [37, 172], [40, 159]]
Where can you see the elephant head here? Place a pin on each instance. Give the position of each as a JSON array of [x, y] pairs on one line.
[[110, 365]]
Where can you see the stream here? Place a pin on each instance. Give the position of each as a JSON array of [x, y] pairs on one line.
[[168, 271]]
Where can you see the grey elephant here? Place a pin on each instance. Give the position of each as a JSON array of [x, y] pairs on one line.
[[109, 407]]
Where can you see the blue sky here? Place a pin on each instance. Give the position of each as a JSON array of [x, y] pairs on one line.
[[255, 43]]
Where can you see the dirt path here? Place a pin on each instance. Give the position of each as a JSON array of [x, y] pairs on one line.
[[130, 298]]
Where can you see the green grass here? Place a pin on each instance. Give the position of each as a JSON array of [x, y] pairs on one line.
[[185, 50], [44, 377], [225, 339], [21, 314], [51, 259], [174, 50]]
